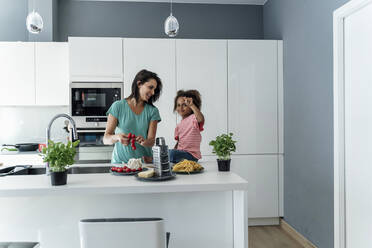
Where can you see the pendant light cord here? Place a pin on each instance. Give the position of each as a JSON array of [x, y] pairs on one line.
[[33, 6], [171, 7]]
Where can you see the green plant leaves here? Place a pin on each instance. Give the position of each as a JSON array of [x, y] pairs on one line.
[[59, 155], [223, 146]]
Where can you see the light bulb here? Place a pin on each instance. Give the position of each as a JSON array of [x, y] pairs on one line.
[[34, 22], [171, 26]]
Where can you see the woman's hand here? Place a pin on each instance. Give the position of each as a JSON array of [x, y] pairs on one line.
[[140, 140], [122, 138]]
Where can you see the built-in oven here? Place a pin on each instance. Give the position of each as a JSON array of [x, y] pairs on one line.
[[90, 137], [89, 102], [91, 148]]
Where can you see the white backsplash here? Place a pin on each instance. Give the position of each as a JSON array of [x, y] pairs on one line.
[[28, 124]]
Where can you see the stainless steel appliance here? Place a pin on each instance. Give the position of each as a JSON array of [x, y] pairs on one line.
[[91, 148], [160, 155], [89, 102]]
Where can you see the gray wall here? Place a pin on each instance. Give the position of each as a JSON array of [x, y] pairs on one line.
[[13, 20], [306, 28], [146, 20], [13, 15]]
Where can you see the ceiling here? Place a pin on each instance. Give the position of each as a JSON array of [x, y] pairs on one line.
[[252, 2]]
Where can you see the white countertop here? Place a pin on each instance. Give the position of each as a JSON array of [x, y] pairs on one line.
[[106, 183]]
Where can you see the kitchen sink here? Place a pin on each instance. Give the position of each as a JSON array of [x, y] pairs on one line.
[[89, 170], [72, 170]]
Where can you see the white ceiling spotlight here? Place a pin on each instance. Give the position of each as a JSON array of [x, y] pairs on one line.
[[171, 25], [34, 22]]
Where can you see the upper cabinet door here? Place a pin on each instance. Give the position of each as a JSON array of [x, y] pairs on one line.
[[253, 95], [17, 73], [52, 78], [156, 55], [96, 59], [202, 65]]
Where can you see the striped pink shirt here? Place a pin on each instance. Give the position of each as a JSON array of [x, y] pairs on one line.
[[188, 135]]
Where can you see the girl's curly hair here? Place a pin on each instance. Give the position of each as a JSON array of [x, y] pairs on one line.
[[194, 94]]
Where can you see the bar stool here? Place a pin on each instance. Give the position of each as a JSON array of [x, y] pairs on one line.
[[123, 232]]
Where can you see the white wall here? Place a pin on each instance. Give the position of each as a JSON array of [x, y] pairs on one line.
[[28, 124]]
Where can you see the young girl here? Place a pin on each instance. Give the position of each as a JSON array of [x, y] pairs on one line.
[[187, 133]]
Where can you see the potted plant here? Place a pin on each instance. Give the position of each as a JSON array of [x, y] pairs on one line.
[[59, 156], [223, 146]]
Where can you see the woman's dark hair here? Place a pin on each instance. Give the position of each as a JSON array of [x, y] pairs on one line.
[[142, 77], [194, 94]]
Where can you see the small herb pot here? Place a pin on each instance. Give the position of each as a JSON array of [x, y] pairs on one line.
[[223, 165], [58, 178]]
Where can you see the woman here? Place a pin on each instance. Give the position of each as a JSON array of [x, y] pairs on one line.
[[136, 115]]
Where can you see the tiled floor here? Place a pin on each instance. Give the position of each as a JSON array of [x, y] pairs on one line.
[[270, 237]]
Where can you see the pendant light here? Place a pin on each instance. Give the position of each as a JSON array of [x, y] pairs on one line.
[[171, 25], [34, 22]]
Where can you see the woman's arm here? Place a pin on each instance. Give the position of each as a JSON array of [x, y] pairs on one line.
[[151, 135], [110, 138]]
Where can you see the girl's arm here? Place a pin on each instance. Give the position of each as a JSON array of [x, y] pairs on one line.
[[110, 138], [199, 116], [151, 135]]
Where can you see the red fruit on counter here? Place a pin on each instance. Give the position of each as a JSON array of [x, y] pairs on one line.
[[139, 169], [134, 170], [120, 170], [128, 170], [125, 167]]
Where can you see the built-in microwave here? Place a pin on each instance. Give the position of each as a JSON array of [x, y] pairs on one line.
[[89, 102]]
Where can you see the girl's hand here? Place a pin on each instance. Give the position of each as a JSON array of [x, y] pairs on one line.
[[188, 101], [122, 138], [140, 140]]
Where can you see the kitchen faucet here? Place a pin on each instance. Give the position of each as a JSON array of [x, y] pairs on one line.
[[74, 133]]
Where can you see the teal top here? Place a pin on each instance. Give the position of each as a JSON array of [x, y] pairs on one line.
[[129, 122]]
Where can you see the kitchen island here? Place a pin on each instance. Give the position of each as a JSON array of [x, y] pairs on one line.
[[201, 210]]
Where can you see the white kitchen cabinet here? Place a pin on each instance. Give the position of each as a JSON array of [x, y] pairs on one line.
[[156, 55], [51, 71], [96, 59], [253, 95], [202, 65], [261, 172], [17, 73]]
